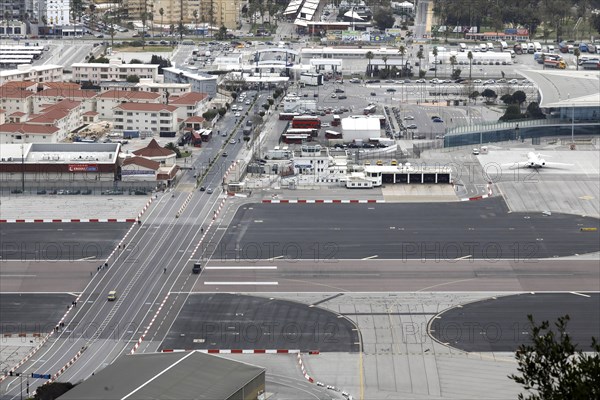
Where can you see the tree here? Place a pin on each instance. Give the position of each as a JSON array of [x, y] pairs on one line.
[[507, 99], [420, 56], [402, 51], [161, 11], [534, 111], [470, 57], [133, 78], [577, 54], [209, 115], [473, 96], [385, 60], [453, 62], [519, 97], [383, 18], [456, 73], [171, 146], [369, 57], [52, 390], [489, 94], [136, 61], [555, 368], [513, 111], [222, 33], [222, 111], [435, 54]]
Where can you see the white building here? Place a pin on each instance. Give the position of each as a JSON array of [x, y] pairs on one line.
[[16, 133], [189, 105], [153, 117], [114, 70], [201, 82], [293, 102], [360, 128], [66, 115], [47, 97], [229, 62], [37, 73], [56, 11], [16, 100], [148, 85], [107, 101]]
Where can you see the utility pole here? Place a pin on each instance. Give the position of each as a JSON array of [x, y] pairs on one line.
[[22, 169]]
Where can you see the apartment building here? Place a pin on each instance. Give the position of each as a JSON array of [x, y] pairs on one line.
[[147, 85], [190, 104], [16, 101], [33, 73], [13, 133], [47, 97], [224, 12], [64, 115], [153, 117], [107, 101], [114, 70], [201, 83]]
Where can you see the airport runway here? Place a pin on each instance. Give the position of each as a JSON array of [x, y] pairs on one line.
[[231, 321], [60, 241], [46, 276], [482, 229], [501, 324], [399, 276], [32, 313]]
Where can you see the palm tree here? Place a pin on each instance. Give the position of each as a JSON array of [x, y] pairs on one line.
[[577, 54], [420, 57], [402, 51], [452, 63], [435, 54], [161, 11], [470, 57], [369, 57], [92, 15], [385, 60]]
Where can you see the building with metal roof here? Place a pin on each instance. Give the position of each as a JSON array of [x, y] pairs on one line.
[[184, 375]]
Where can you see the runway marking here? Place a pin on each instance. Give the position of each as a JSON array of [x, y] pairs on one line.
[[86, 258], [235, 267], [580, 294], [274, 258], [463, 258], [370, 257], [18, 276], [242, 283]]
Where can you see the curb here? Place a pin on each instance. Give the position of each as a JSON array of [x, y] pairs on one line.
[[268, 201], [146, 207], [65, 220], [141, 339], [184, 205], [308, 377], [235, 351]]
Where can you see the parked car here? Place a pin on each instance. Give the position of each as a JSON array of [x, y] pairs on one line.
[[411, 126], [390, 90]]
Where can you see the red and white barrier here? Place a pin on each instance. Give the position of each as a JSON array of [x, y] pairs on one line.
[[236, 351], [145, 208], [285, 201], [141, 339], [308, 377], [64, 220], [483, 196]]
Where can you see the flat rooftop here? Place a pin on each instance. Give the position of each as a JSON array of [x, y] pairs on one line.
[[566, 88], [98, 153]]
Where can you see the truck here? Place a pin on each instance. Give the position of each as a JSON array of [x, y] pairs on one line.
[[537, 46], [503, 46], [559, 64], [517, 48], [530, 48], [311, 79]]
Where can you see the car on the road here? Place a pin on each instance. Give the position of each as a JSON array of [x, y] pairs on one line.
[[224, 154], [420, 81], [411, 126], [232, 141], [513, 82], [489, 82], [354, 80], [342, 97], [333, 95], [475, 152], [437, 120], [202, 188], [339, 90], [112, 295], [237, 114], [209, 190], [477, 81], [390, 90], [373, 94], [320, 384], [409, 118]]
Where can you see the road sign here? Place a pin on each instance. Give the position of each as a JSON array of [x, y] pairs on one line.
[[40, 376]]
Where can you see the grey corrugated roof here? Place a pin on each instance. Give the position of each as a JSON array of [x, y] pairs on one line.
[[565, 86], [185, 375]]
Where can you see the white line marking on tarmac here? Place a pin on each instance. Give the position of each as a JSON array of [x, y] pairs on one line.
[[86, 258], [235, 267], [17, 276], [274, 258], [463, 258], [241, 283], [580, 294], [370, 257]]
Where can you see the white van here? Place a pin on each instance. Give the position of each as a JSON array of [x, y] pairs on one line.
[[490, 46], [530, 48], [462, 47], [483, 47], [537, 46], [503, 46]]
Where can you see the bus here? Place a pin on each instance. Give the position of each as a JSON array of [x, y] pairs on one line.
[[296, 139], [306, 121], [288, 116], [370, 109], [336, 120], [303, 131]]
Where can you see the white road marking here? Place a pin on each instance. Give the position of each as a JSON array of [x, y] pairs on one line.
[[370, 257], [463, 258], [235, 267], [241, 283], [580, 294]]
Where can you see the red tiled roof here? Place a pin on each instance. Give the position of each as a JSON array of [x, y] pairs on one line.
[[189, 98], [28, 129], [90, 113], [17, 114], [19, 84], [146, 107], [61, 85], [128, 95], [142, 162], [68, 93], [195, 119], [154, 150], [49, 118], [7, 92]]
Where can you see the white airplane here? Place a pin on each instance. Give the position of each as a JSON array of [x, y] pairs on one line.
[[535, 160]]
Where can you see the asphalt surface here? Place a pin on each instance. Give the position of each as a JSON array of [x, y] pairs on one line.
[[32, 313], [60, 241], [230, 321], [476, 229], [501, 324]]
